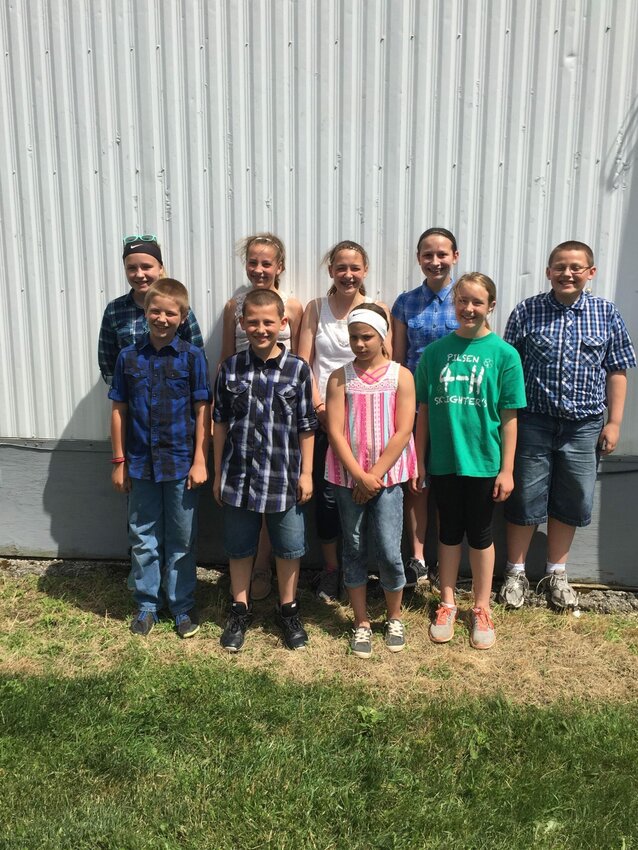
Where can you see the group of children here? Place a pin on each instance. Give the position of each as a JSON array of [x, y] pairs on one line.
[[366, 410]]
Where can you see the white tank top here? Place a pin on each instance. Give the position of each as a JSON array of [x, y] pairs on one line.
[[332, 346]]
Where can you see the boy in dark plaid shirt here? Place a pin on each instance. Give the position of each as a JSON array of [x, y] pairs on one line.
[[263, 442], [160, 425], [575, 351]]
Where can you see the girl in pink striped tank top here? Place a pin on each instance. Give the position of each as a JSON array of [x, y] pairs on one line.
[[370, 411]]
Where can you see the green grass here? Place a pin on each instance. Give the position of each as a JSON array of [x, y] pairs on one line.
[[201, 754]]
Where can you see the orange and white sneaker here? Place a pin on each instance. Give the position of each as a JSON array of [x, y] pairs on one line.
[[482, 634], [442, 627]]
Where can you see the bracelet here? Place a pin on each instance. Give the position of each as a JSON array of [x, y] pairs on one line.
[[321, 404], [118, 460]]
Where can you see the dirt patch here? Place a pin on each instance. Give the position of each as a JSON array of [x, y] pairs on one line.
[[70, 618]]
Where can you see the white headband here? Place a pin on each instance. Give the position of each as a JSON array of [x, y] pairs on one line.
[[369, 317]]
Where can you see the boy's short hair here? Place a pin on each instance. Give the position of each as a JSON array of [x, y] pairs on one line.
[[169, 288], [573, 245], [263, 298]]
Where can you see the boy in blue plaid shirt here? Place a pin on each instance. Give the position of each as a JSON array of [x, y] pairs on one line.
[[575, 351], [160, 425], [263, 443]]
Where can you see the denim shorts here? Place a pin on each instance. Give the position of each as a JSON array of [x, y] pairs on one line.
[[384, 515], [287, 532], [555, 469]]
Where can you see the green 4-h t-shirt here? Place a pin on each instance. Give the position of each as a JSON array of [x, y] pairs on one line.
[[465, 383]]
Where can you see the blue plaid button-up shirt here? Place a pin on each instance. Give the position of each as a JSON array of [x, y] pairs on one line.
[[160, 389], [265, 405], [567, 352], [124, 323], [427, 316]]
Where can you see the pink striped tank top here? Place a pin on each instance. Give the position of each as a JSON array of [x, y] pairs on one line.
[[369, 425]]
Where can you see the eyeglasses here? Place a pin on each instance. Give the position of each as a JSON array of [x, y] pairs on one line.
[[139, 237], [575, 270]]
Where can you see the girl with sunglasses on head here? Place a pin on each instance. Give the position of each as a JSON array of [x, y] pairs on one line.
[[124, 321]]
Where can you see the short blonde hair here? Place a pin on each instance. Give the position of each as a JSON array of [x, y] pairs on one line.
[[168, 287]]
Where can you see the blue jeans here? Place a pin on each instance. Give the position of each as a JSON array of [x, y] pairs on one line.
[[286, 529], [554, 470], [385, 514], [162, 519]]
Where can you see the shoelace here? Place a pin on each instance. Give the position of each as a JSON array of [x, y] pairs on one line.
[[442, 615], [482, 620], [395, 628], [361, 634]]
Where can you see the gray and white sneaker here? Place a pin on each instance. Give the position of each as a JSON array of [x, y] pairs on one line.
[[394, 634], [561, 593], [361, 643], [513, 590]]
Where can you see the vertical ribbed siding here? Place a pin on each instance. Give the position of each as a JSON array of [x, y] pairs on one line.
[[513, 123]]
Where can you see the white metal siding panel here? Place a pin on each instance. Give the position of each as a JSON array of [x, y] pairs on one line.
[[513, 123]]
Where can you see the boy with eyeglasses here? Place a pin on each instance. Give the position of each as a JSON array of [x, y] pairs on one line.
[[575, 351]]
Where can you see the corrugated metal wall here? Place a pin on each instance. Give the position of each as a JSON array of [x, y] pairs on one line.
[[514, 123]]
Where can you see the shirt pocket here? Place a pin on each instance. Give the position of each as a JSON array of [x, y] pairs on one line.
[[542, 348], [238, 398], [136, 379], [416, 322], [177, 383], [286, 400], [592, 350]]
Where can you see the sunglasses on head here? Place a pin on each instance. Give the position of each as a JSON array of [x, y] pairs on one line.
[[139, 237]]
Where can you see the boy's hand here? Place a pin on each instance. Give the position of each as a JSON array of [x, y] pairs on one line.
[[608, 439], [304, 488], [503, 486], [120, 479], [416, 485], [197, 475], [321, 417], [217, 490]]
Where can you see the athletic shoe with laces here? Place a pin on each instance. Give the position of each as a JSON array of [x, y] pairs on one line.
[[328, 587], [394, 635], [186, 625], [415, 571], [513, 589], [442, 627], [361, 643], [561, 593], [261, 584], [143, 623], [295, 636], [482, 634], [234, 632]]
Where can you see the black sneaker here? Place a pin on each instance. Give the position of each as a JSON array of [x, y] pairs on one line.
[[328, 587], [415, 572], [186, 625], [143, 623], [295, 636], [234, 632]]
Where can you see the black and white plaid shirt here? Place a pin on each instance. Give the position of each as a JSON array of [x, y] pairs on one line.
[[265, 405]]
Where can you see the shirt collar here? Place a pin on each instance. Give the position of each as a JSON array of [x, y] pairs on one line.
[[276, 362], [579, 303], [442, 294], [145, 343]]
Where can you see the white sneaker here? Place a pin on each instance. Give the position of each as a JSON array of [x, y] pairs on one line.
[[513, 589]]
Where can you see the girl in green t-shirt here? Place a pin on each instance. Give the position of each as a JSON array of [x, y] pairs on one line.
[[469, 385]]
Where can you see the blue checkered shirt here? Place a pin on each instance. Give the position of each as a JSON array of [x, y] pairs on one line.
[[427, 316], [265, 405], [124, 323], [160, 389], [567, 352]]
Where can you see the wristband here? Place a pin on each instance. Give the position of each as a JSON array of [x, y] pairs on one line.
[[321, 404], [118, 460]]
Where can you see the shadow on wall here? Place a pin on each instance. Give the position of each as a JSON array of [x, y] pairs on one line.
[[619, 478]]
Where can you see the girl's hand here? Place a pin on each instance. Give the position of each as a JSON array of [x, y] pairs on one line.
[[197, 475], [503, 486], [368, 484], [304, 488], [417, 484], [120, 479]]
